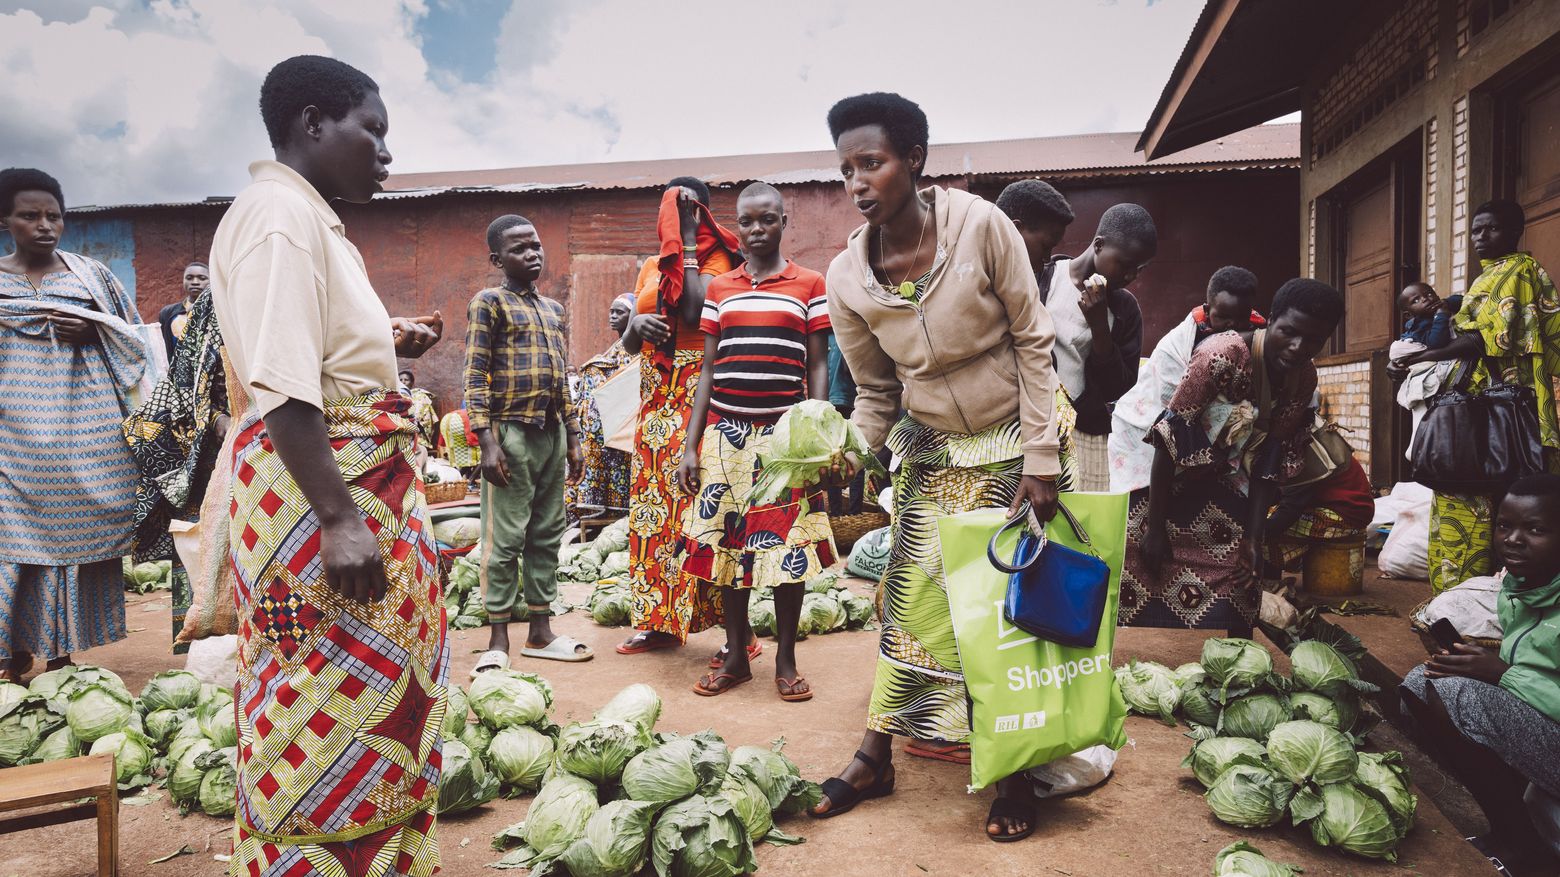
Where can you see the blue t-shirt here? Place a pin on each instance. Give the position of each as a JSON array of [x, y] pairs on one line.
[[842, 387], [1434, 331]]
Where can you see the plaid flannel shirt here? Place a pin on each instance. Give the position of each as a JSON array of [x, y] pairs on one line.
[[516, 359]]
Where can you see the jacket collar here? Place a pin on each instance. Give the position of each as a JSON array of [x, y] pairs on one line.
[[942, 201], [268, 170], [1536, 598]]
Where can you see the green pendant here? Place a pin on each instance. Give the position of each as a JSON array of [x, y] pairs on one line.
[[907, 291]]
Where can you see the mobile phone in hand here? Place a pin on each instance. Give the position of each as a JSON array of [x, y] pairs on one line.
[[1445, 634]]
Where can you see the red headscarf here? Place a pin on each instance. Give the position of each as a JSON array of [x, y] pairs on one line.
[[668, 226]]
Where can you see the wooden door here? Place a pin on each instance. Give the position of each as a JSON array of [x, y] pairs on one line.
[[1537, 180], [1368, 263]]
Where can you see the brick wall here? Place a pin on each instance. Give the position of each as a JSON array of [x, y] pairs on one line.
[[1432, 220], [1399, 55], [1460, 205], [1345, 391]]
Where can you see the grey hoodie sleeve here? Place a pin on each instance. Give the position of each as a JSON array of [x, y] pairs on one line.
[[878, 389], [1013, 283]]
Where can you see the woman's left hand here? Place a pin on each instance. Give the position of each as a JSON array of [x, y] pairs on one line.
[[72, 330], [1039, 493], [414, 336], [1466, 659]]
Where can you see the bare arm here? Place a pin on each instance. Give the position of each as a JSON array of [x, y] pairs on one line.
[[818, 365], [350, 552]]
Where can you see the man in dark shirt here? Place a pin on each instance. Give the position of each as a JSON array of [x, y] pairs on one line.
[[197, 278]]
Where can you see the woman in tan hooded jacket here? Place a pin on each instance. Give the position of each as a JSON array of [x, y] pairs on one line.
[[936, 311]]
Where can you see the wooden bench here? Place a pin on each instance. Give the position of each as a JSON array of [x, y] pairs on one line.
[[60, 782]]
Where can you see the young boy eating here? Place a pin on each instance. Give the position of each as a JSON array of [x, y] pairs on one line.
[[766, 328]]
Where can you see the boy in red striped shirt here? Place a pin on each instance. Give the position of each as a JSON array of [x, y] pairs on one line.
[[766, 328]]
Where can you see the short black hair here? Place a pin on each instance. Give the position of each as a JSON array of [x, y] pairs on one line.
[[197, 262], [1034, 202], [901, 119], [1310, 297], [406, 371], [309, 81], [700, 189], [1235, 280], [760, 188], [496, 229], [1544, 484], [1508, 212], [1128, 223], [15, 180]]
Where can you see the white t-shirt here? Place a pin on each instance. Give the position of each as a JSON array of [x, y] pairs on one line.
[[299, 317]]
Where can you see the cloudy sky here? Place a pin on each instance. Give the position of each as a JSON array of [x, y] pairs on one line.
[[155, 100]]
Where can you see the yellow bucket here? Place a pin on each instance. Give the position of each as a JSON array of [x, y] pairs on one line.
[[1335, 569]]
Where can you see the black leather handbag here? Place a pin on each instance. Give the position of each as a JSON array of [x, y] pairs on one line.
[[1054, 592], [1477, 443]]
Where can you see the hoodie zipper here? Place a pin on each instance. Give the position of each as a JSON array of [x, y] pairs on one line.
[[1517, 643]]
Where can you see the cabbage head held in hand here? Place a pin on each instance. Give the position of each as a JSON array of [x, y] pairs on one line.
[[809, 439]]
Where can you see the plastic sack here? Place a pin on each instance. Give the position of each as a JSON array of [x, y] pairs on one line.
[[1032, 701], [1073, 773], [1406, 554], [869, 558], [214, 660], [1470, 607]]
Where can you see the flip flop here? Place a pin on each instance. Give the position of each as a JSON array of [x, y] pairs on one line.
[[754, 649], [642, 642], [492, 659], [788, 689], [710, 685], [562, 648], [1011, 809], [939, 750]]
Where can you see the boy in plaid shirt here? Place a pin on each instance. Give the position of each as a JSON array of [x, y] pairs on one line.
[[517, 399]]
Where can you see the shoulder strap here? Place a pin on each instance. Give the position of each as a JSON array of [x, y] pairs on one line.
[[1260, 384]]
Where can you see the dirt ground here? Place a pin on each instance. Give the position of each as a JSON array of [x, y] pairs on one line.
[[1147, 820]]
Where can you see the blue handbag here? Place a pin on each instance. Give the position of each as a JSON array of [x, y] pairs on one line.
[[1054, 592]]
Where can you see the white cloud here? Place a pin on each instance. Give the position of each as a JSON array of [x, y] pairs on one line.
[[128, 101]]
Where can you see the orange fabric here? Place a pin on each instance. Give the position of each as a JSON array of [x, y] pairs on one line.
[[648, 287], [710, 238]]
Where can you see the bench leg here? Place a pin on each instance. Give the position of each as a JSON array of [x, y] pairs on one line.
[[108, 832]]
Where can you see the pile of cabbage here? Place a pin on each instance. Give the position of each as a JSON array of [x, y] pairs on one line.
[[463, 593], [1270, 746], [619, 798], [827, 606], [605, 557], [143, 578], [506, 750], [179, 732]]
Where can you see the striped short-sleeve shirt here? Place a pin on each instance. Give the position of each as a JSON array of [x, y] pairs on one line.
[[761, 366]]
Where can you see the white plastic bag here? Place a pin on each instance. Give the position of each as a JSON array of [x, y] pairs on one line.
[[1074, 773], [1406, 554], [1470, 607], [215, 660]]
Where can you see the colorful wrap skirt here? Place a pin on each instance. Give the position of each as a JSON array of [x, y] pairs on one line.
[[339, 703], [731, 542]]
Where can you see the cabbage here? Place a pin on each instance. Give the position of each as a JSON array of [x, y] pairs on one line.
[[57, 746], [184, 779], [1317, 666], [822, 583], [464, 782], [598, 750], [1210, 758], [1199, 707], [132, 756], [702, 837], [219, 784], [821, 614], [171, 690], [10, 693], [504, 698], [1249, 796], [809, 438], [97, 711], [1236, 663], [1241, 859], [611, 606], [558, 815], [61, 684], [519, 756], [23, 725], [218, 722], [163, 725], [615, 843], [1149, 689], [213, 694], [1354, 821], [761, 617], [1307, 751], [677, 768], [750, 804], [1189, 675], [478, 738], [777, 777], [1254, 716], [52, 685], [638, 703], [859, 610], [1384, 777], [458, 532], [456, 709]]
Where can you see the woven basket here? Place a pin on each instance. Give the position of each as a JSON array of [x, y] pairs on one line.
[[848, 529], [1431, 645], [445, 491]]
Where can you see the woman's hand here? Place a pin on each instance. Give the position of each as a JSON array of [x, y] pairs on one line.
[[1466, 659], [353, 567], [1155, 549], [1041, 496], [651, 327], [413, 336], [688, 214], [841, 472], [688, 472], [72, 330]]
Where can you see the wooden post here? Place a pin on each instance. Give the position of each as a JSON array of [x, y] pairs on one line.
[[108, 827]]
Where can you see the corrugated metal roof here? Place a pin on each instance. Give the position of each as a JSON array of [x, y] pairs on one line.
[[1078, 155]]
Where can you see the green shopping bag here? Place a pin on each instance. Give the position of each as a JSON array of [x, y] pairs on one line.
[[1032, 701]]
